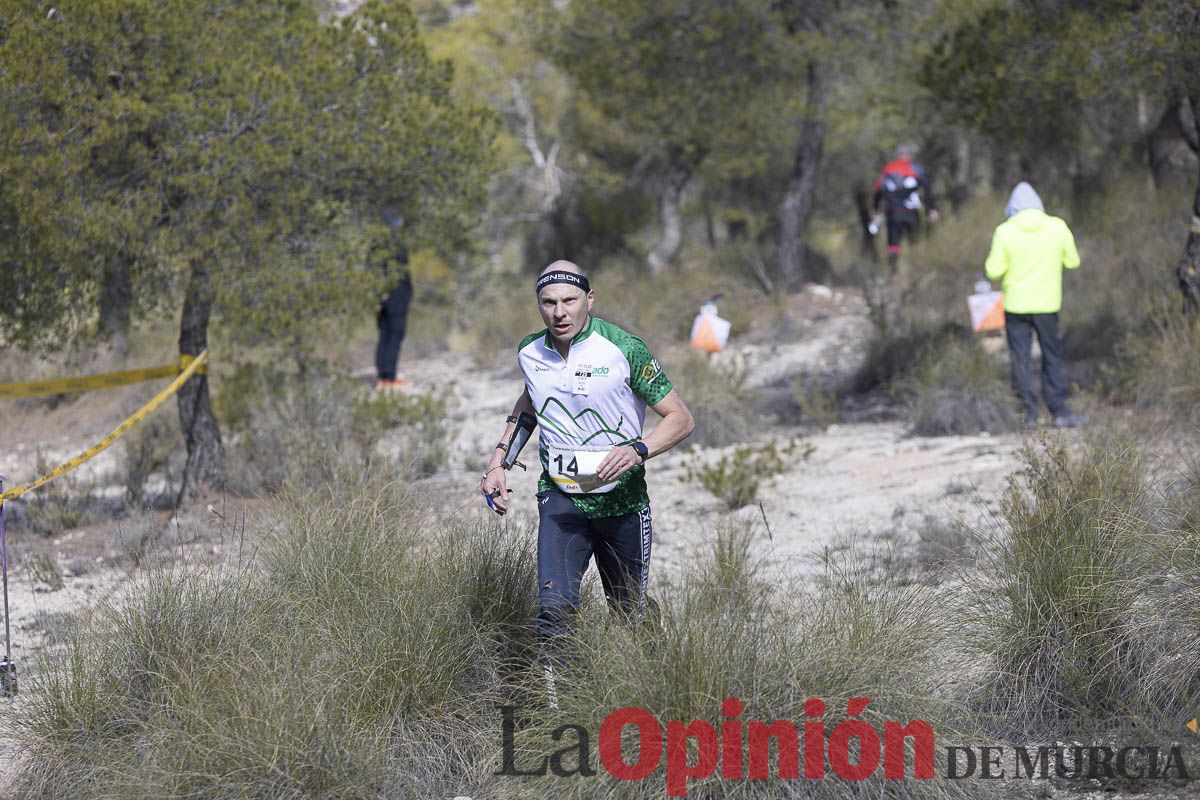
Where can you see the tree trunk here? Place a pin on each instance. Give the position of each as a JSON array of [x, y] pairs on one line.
[[670, 214], [1188, 269], [797, 204], [116, 298], [205, 466], [866, 239], [961, 190]]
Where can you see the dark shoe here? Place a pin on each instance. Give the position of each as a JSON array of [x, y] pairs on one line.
[[1069, 420]]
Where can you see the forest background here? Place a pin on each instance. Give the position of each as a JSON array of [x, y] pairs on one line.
[[235, 162]]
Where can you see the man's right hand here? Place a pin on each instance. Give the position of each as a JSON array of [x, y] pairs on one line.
[[495, 485]]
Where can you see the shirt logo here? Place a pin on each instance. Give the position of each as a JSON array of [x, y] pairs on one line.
[[651, 371]]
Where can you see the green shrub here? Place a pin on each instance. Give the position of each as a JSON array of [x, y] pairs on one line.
[[509, 313], [891, 360], [59, 505], [730, 629], [364, 652], [818, 405], [734, 479], [44, 570]]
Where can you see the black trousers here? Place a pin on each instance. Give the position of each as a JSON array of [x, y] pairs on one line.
[[1020, 328], [567, 540], [901, 223], [392, 322]]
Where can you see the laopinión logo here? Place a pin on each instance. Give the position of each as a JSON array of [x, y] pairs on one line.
[[853, 750]]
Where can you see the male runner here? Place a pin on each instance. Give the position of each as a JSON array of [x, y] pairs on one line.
[[901, 189], [588, 383]]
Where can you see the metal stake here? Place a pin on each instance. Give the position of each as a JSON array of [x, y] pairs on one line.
[[8, 670]]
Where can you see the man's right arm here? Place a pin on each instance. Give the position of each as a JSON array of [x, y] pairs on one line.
[[495, 482], [997, 260]]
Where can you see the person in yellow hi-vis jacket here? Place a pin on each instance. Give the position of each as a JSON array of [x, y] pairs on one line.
[[1029, 251]]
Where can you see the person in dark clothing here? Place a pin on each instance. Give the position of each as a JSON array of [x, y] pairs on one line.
[[392, 321], [902, 189], [392, 318]]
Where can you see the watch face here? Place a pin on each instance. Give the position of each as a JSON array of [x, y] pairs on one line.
[[641, 449]]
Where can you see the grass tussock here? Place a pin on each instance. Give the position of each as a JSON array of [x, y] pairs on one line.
[[959, 389], [719, 399], [365, 648], [365, 651], [1158, 367], [731, 631], [946, 382], [284, 427], [1069, 603], [290, 676]]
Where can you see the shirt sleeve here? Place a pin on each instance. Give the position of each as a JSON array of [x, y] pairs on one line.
[[997, 260], [646, 375]]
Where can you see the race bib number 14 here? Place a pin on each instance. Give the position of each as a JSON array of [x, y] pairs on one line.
[[574, 471]]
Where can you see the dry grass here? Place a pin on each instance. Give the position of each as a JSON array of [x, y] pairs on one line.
[[365, 651]]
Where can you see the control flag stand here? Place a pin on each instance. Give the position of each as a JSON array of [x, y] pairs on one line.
[[8, 668]]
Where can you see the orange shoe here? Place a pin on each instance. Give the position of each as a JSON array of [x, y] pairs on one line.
[[399, 383]]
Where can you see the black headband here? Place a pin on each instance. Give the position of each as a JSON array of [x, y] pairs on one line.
[[569, 278]]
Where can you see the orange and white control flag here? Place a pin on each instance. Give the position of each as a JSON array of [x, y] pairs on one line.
[[710, 332], [987, 311]]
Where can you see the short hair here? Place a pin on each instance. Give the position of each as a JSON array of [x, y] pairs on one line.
[[563, 265]]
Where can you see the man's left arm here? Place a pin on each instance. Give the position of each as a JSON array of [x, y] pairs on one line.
[[676, 425]]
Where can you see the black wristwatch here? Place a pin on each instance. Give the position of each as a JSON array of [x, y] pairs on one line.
[[640, 448]]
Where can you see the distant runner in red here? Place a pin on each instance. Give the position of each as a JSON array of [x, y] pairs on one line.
[[902, 189]]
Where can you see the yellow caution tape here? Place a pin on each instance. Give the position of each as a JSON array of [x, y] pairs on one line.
[[193, 367], [86, 383]]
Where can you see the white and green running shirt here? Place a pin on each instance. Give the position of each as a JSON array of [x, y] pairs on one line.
[[589, 403]]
